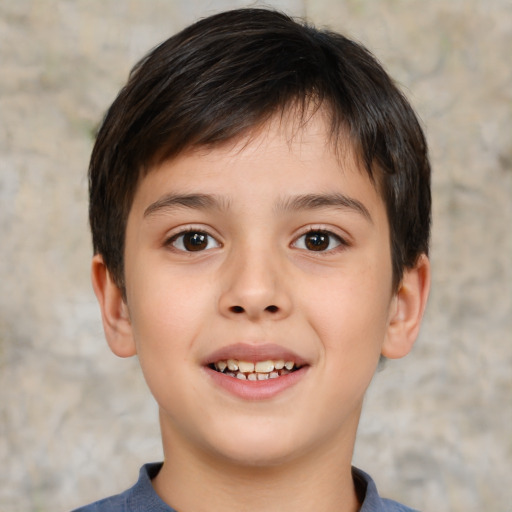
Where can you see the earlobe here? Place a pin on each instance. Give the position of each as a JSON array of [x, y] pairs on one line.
[[114, 312], [407, 310]]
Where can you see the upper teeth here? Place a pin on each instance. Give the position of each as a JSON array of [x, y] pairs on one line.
[[268, 366]]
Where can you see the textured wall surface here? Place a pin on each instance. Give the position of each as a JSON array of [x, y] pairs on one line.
[[76, 423]]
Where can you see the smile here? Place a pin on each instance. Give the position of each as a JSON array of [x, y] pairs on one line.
[[254, 371]]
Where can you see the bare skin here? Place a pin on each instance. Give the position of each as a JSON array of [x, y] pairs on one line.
[[265, 247]]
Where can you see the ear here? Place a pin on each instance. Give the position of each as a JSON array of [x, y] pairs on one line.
[[114, 311], [407, 310]]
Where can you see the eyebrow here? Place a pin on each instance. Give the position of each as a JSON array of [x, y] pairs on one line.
[[195, 201], [297, 203], [319, 201]]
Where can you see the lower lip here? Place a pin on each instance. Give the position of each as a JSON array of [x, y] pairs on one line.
[[256, 389]]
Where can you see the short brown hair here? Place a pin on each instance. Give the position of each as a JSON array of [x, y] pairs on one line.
[[229, 73]]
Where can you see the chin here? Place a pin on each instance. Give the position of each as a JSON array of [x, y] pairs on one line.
[[258, 447], [254, 458]]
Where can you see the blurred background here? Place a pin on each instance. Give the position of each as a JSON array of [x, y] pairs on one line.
[[76, 422]]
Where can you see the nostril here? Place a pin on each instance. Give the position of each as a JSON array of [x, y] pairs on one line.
[[271, 309], [237, 309]]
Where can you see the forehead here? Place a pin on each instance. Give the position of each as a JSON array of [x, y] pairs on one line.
[[301, 127], [289, 155]]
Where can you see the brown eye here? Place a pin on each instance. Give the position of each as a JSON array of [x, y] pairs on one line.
[[318, 241], [193, 241]]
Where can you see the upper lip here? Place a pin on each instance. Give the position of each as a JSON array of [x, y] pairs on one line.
[[253, 353]]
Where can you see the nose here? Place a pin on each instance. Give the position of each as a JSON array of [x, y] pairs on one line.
[[255, 286]]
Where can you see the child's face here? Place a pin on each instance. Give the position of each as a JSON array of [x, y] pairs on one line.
[[291, 261]]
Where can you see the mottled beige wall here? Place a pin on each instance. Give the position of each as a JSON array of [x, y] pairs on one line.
[[75, 422]]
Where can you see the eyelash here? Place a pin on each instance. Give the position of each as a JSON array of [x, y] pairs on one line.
[[200, 237], [178, 240], [329, 235]]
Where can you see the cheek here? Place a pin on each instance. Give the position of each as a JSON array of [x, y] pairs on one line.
[[166, 314], [350, 313], [165, 324]]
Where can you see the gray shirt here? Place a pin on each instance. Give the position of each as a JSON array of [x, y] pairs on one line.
[[143, 498]]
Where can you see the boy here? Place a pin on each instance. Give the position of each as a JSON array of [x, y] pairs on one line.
[[260, 211]]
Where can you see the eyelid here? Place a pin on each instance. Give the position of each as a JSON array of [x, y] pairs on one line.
[[183, 230], [342, 240]]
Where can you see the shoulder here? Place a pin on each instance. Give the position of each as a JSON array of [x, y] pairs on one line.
[[139, 498], [394, 506], [113, 504], [369, 496]]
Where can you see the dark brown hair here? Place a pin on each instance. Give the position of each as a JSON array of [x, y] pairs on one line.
[[229, 73]]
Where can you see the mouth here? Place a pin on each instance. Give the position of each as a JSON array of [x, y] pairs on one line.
[[255, 371]]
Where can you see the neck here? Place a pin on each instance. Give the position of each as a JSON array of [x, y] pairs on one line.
[[195, 481]]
